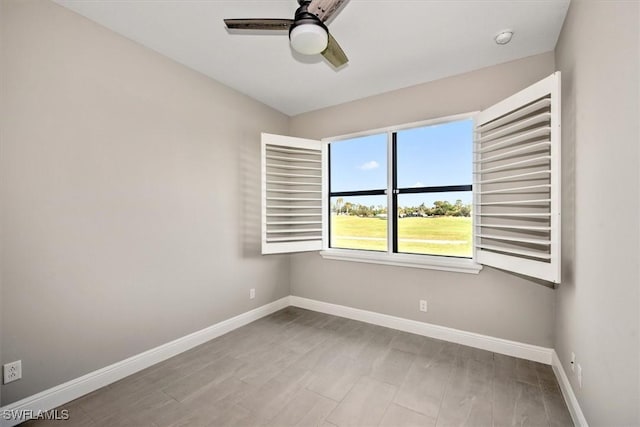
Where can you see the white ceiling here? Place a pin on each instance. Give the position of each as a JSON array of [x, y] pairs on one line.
[[390, 44]]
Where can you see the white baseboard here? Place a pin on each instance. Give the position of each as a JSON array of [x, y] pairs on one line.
[[71, 390], [567, 391], [485, 342]]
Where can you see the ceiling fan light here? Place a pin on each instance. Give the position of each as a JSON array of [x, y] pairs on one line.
[[309, 39]]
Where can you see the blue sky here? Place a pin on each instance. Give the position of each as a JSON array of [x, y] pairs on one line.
[[428, 156]]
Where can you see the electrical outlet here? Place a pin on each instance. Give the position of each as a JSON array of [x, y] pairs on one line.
[[579, 374], [12, 371], [573, 361], [423, 305], [252, 293]]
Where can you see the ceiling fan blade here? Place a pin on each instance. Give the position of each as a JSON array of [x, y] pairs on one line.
[[324, 9], [259, 24], [334, 53]]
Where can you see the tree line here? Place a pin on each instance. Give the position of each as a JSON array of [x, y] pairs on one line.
[[439, 208]]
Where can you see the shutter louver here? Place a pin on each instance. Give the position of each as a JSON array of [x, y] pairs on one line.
[[292, 197], [517, 182]]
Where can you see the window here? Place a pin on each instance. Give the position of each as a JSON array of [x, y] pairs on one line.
[[358, 182], [424, 173], [453, 194]]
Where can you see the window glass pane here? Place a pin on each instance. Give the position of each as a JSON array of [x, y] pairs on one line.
[[435, 223], [359, 163], [359, 223], [435, 155]]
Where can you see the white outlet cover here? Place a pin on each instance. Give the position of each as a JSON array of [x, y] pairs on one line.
[[252, 293], [12, 371], [423, 305]]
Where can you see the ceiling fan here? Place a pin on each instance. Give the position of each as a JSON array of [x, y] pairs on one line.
[[308, 33]]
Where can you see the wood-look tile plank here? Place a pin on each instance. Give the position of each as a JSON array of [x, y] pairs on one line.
[[138, 407], [209, 374], [504, 366], [306, 409], [313, 318], [235, 416], [466, 352], [260, 367], [375, 348], [312, 358], [517, 404], [302, 339], [547, 380], [393, 367], [352, 339], [167, 372], [267, 400], [175, 413], [284, 316], [449, 351], [364, 405], [525, 371], [230, 390], [468, 397], [425, 384], [431, 348], [334, 375], [336, 323], [398, 416], [409, 343], [144, 403], [125, 420], [557, 411]]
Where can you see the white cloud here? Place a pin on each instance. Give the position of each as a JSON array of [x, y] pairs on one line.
[[369, 165], [418, 184]]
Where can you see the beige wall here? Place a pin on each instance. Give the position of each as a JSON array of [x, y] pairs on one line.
[[598, 301], [130, 198], [1, 138], [493, 303]]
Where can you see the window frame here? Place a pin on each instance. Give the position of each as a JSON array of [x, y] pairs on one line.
[[436, 262]]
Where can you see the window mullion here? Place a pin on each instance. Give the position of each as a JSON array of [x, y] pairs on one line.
[[391, 208], [392, 197]]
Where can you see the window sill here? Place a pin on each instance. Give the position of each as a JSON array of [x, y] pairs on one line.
[[458, 265]]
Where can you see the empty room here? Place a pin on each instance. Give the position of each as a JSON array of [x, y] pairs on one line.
[[319, 213]]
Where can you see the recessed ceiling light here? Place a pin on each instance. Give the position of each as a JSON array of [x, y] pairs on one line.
[[504, 37]]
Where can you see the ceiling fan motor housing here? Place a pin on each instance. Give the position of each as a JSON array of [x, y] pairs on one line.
[[303, 16], [308, 35]]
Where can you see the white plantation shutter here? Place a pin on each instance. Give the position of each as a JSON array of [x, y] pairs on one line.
[[292, 194], [517, 182]]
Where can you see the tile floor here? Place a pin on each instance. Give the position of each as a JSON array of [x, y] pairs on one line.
[[302, 368]]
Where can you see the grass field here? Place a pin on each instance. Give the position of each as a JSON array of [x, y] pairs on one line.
[[435, 236]]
